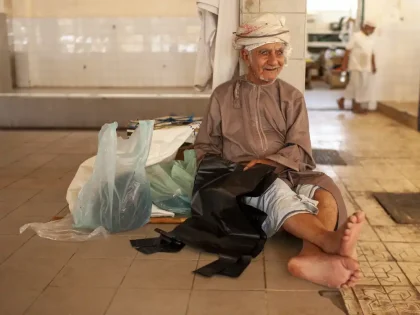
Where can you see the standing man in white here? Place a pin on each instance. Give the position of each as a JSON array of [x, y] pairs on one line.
[[359, 60]]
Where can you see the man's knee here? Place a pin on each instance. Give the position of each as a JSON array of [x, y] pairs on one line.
[[325, 198]]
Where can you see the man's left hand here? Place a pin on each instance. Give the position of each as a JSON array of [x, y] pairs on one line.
[[263, 161]]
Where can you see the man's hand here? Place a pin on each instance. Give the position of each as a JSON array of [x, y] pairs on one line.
[[263, 161], [374, 69]]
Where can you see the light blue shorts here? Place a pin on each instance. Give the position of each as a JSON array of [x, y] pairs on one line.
[[280, 202]]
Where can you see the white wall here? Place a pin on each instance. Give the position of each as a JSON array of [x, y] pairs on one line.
[[397, 49], [295, 14], [103, 43]]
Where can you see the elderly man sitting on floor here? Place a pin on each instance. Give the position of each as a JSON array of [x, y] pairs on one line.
[[259, 118]]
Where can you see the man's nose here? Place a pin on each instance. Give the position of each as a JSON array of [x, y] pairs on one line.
[[272, 59]]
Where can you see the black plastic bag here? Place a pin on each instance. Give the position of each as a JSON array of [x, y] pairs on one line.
[[221, 223]]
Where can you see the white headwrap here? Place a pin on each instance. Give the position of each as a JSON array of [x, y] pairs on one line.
[[264, 29]]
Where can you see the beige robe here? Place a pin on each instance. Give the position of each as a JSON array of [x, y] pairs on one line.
[[247, 121]]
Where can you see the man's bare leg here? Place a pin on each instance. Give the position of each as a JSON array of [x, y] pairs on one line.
[[341, 242], [313, 264], [340, 103]]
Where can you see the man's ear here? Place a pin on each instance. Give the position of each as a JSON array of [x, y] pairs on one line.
[[245, 55]]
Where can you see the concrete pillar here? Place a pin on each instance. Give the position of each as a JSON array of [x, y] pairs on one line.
[[5, 60]]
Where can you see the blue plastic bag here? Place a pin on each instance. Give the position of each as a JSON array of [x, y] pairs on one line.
[[117, 196], [172, 184]]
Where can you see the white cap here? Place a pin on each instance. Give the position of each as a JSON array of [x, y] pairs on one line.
[[370, 22]]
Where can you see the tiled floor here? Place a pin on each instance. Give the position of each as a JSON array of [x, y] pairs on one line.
[[39, 276]]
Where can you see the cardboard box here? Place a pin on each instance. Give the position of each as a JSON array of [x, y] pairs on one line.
[[333, 79]]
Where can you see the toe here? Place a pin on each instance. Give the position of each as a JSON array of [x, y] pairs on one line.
[[357, 275], [353, 219], [360, 216], [351, 264]]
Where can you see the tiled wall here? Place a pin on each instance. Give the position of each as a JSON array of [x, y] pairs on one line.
[[295, 14], [93, 43], [397, 49]]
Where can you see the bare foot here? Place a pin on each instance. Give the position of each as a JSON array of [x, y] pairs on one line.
[[350, 234], [328, 270], [343, 241], [340, 103], [354, 278]]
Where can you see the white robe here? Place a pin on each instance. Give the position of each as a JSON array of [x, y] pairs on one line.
[[216, 58]]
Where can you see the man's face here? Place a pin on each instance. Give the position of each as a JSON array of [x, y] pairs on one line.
[[265, 62], [369, 30]]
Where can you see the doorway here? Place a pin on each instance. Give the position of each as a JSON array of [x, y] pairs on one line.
[[329, 27]]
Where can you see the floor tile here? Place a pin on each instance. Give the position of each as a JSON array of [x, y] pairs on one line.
[[38, 247], [251, 279], [368, 234], [398, 185], [405, 299], [351, 302], [31, 183], [147, 301], [389, 274], [10, 225], [35, 160], [409, 232], [282, 247], [110, 247], [368, 276], [93, 273], [375, 214], [279, 278], [7, 181], [204, 256], [407, 252], [39, 209], [9, 244], [416, 182], [82, 301], [374, 300], [374, 251], [48, 174], [51, 195], [363, 184], [187, 253], [6, 207], [227, 302], [412, 271], [20, 195], [35, 273], [389, 234], [287, 302], [14, 301], [160, 274]]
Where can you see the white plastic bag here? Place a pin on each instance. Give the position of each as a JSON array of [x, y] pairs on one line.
[[122, 157], [62, 230], [117, 196]]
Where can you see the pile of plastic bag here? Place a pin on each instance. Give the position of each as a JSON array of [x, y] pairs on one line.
[[113, 191]]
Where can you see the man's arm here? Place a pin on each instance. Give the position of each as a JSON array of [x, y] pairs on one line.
[[209, 137], [296, 154], [373, 63], [345, 64]]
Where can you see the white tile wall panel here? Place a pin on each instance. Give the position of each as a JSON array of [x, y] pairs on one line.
[[280, 6]]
